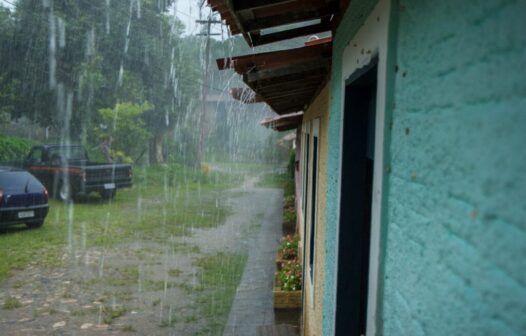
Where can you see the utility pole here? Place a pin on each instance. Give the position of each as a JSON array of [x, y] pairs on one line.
[[203, 123]]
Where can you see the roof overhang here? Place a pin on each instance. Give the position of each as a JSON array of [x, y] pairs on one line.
[[286, 80], [267, 21], [282, 123], [246, 95]]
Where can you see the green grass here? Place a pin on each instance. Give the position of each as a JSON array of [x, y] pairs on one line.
[[124, 276], [174, 272], [11, 303], [156, 285], [153, 210], [111, 313], [245, 167], [163, 203], [128, 328], [284, 181], [220, 275]]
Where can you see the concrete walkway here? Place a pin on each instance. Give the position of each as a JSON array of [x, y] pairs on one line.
[[252, 306]]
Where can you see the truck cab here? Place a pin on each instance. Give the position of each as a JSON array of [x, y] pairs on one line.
[[66, 171]]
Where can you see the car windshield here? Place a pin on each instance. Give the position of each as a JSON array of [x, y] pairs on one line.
[[18, 181]]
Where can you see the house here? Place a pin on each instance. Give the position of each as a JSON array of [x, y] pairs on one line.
[[412, 198]]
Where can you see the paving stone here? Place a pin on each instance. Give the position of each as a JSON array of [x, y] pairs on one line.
[[252, 304]]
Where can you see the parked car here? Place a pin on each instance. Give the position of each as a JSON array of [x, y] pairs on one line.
[[23, 199], [66, 171]]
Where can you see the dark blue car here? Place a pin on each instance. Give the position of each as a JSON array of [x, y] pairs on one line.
[[23, 199]]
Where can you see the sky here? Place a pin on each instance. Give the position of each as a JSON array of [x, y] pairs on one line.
[[7, 3], [188, 11]]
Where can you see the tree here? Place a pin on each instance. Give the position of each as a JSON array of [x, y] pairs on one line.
[[124, 128]]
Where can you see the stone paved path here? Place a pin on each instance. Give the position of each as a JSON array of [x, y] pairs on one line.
[[252, 305]]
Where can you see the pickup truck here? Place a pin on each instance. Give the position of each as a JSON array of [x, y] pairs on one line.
[[66, 171]]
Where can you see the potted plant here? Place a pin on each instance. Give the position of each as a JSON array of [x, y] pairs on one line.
[[287, 285], [288, 250]]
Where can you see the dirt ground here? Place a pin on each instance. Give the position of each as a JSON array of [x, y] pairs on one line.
[[143, 288]]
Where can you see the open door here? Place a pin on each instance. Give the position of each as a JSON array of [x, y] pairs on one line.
[[356, 201]]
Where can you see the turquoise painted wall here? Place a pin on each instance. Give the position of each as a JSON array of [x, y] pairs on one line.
[[351, 23], [455, 249], [456, 236]]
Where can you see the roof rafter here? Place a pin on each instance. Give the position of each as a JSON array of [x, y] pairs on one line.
[[287, 80], [243, 5], [258, 39], [250, 17]]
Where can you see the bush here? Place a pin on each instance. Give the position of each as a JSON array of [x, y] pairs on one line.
[[124, 126], [13, 148]]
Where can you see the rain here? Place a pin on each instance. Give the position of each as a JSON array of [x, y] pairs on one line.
[[133, 86]]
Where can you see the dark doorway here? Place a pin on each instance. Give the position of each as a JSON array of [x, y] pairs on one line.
[[355, 201], [313, 205]]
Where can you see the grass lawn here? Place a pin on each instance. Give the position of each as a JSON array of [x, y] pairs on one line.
[[220, 276], [276, 180], [164, 202]]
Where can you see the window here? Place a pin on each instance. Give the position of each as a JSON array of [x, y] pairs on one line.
[[306, 149], [314, 199], [35, 157]]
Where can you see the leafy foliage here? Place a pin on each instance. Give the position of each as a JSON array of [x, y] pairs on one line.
[[288, 249], [83, 56], [123, 124], [290, 277], [62, 61], [13, 148]]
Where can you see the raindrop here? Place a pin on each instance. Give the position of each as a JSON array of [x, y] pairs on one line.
[[108, 14], [90, 43], [121, 73], [61, 32]]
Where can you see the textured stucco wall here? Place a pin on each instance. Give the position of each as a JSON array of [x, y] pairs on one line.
[[313, 304], [456, 242], [456, 204]]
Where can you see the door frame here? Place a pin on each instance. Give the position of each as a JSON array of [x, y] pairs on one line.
[[371, 41]]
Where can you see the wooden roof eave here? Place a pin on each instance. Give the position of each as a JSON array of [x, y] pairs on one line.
[[246, 96], [258, 39], [274, 59], [249, 17], [284, 122]]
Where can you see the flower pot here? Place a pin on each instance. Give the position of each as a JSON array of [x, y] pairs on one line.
[[286, 299]]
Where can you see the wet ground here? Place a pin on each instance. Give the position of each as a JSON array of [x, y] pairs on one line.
[[146, 288], [252, 306]]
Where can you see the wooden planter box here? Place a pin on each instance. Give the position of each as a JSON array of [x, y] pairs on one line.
[[285, 299]]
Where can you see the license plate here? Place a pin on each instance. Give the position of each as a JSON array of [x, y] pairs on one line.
[[109, 185], [26, 214]]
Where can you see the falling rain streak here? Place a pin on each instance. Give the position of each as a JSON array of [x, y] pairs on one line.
[[123, 80]]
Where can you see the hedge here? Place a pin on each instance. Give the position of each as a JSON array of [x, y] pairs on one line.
[[13, 148]]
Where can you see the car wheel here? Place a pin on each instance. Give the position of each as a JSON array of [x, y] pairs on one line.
[[65, 193], [108, 194], [35, 225]]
